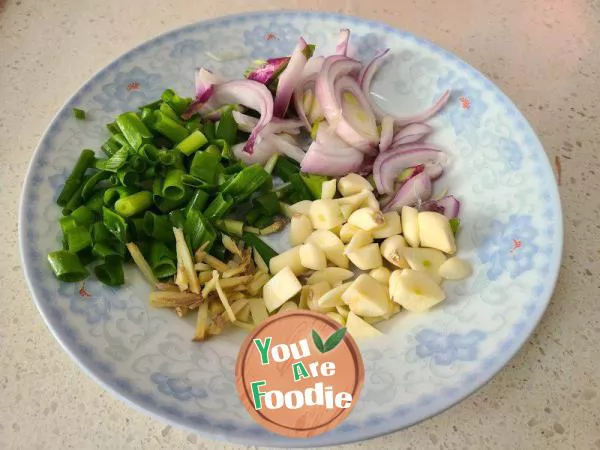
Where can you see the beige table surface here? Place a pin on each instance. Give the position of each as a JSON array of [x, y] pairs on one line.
[[543, 54]]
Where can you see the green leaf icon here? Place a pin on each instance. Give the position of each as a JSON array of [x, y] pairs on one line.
[[331, 342], [318, 341]]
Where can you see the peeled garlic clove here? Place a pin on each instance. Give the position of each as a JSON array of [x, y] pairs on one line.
[[312, 257], [332, 275], [367, 257], [328, 189], [392, 250], [347, 231], [325, 214], [455, 269], [366, 219], [381, 274], [435, 232], [371, 202], [290, 258], [333, 297], [366, 297], [343, 310], [410, 225], [425, 259], [283, 286], [300, 228], [331, 245], [358, 328], [302, 207], [391, 227], [393, 281], [416, 292], [337, 317], [347, 211], [315, 292], [360, 239], [354, 200], [352, 184]]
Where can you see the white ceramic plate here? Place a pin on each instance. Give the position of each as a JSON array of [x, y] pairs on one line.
[[511, 232]]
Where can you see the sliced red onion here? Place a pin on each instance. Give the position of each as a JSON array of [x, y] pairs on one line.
[[428, 113], [289, 78], [205, 81], [434, 171], [357, 124], [261, 154], [448, 206], [411, 133], [365, 77], [334, 67], [251, 94], [269, 70], [321, 160], [388, 165], [309, 75], [246, 123], [412, 192], [283, 145], [387, 133], [215, 114], [342, 46]]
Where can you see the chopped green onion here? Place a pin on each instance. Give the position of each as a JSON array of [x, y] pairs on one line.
[[111, 272], [285, 168], [198, 201], [102, 250], [218, 207], [176, 102], [314, 183], [90, 184], [83, 216], [162, 260], [301, 191], [142, 264], [198, 230], [73, 183], [67, 266], [134, 204], [172, 186], [78, 238], [95, 202], [177, 218], [270, 164], [205, 166], [159, 227], [229, 226], [116, 161], [115, 224], [227, 128], [67, 223], [192, 143], [245, 183], [268, 203], [113, 194], [133, 129], [79, 114], [168, 127]]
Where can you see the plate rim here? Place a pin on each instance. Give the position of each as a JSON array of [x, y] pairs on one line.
[[274, 440]]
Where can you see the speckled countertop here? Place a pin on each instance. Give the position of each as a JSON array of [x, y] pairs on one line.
[[543, 54]]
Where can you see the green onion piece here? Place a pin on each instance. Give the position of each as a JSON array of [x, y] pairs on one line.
[[193, 124], [67, 223], [176, 102], [219, 251], [75, 200], [113, 194], [67, 266], [301, 191], [90, 184], [95, 202], [83, 216], [102, 250], [270, 164], [245, 183], [137, 163], [149, 153], [111, 272], [158, 226], [214, 149], [137, 229], [127, 176], [149, 173], [165, 205], [190, 180], [167, 157], [162, 260], [192, 143], [263, 221], [172, 186], [233, 168], [198, 201], [268, 203], [205, 166], [226, 152], [286, 210], [227, 128], [115, 162], [229, 226], [285, 168], [210, 131], [78, 238], [152, 105], [263, 249], [112, 128], [115, 224], [168, 127], [198, 230], [133, 129], [111, 146], [170, 113], [252, 216], [177, 218], [218, 207], [314, 183], [100, 233], [134, 204], [84, 162], [79, 114], [454, 224], [284, 190]]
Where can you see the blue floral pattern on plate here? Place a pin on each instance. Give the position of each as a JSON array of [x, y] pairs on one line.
[[511, 230]]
